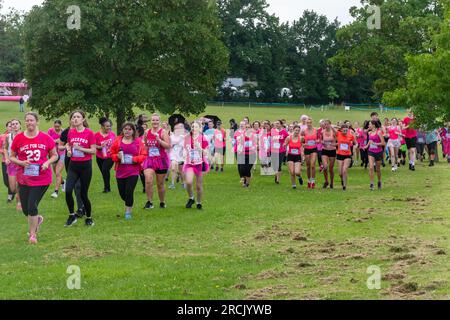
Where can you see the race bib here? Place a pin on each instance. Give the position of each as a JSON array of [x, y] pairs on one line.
[[311, 143], [448, 135], [327, 143], [194, 155], [344, 147], [127, 159], [77, 154], [248, 144], [295, 151], [420, 140], [219, 137], [373, 146], [32, 170], [154, 152], [276, 145]]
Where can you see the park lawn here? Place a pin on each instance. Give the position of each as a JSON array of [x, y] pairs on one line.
[[266, 242]]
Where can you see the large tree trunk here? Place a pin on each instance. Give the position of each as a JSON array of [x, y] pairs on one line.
[[120, 118]]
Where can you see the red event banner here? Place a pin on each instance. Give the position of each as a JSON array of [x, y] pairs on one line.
[[13, 85]]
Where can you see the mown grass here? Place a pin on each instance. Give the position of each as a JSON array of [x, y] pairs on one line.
[[266, 242]]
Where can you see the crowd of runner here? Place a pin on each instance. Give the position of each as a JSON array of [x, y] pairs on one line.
[[154, 152]]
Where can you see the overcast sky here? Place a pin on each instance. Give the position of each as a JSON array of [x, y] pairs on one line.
[[287, 10]]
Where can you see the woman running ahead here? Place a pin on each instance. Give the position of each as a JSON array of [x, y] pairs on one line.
[[33, 152]]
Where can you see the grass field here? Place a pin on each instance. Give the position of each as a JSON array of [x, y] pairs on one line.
[[266, 242]]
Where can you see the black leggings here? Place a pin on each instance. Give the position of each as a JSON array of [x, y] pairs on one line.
[[105, 166], [5, 178], [245, 164], [81, 171], [30, 198], [77, 184], [364, 156], [126, 189]]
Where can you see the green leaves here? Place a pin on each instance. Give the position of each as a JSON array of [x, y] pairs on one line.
[[150, 53], [427, 84]]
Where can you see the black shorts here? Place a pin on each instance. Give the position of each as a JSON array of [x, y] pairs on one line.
[[310, 151], [411, 142], [341, 157], [432, 147], [377, 156], [294, 158], [221, 151], [329, 153], [161, 171]]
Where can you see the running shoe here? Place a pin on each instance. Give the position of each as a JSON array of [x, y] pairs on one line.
[[217, 169], [80, 213], [162, 205], [379, 185], [393, 169], [171, 186], [199, 206], [294, 187], [300, 180], [71, 220], [128, 216], [431, 164], [413, 168], [40, 221], [309, 185], [33, 239], [89, 222], [331, 186], [190, 203], [221, 169], [344, 188], [54, 195], [371, 187], [10, 198], [325, 185], [148, 205], [63, 186], [313, 185]]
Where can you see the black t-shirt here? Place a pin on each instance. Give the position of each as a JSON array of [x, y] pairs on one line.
[[64, 135]]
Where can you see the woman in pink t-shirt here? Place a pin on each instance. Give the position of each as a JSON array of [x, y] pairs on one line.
[[58, 167], [277, 149], [104, 140], [2, 152], [33, 152], [220, 146], [11, 167], [128, 152], [80, 148], [196, 149], [264, 147]]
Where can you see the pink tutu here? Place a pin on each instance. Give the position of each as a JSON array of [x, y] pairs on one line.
[[156, 163], [12, 169]]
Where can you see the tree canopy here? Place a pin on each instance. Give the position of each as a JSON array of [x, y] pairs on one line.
[[155, 54]]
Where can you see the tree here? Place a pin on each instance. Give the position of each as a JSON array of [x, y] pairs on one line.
[[11, 48], [256, 42], [332, 94], [428, 81], [311, 42], [154, 54], [378, 55]]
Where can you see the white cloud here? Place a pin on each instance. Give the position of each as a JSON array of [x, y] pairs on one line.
[[289, 10]]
